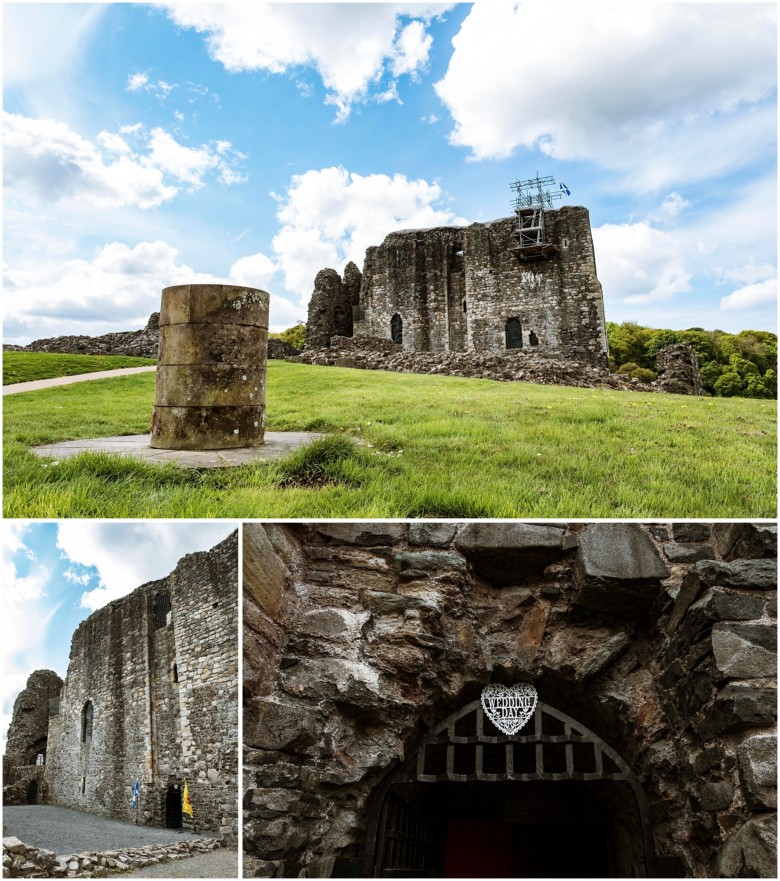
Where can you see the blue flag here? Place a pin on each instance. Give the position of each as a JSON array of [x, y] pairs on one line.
[[565, 188], [135, 793]]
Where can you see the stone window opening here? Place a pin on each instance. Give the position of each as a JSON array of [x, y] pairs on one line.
[[40, 759], [175, 673], [86, 722], [83, 785], [514, 334], [533, 339], [162, 610], [397, 329], [464, 305]]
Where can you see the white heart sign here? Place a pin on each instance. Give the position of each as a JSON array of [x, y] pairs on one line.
[[509, 707]]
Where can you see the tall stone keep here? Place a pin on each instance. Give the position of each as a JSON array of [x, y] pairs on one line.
[[476, 289], [211, 368]]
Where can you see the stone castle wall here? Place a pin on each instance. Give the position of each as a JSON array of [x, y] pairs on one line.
[[660, 638], [160, 669], [453, 289]]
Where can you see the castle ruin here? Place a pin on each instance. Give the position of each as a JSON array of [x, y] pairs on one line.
[[151, 694], [488, 287]]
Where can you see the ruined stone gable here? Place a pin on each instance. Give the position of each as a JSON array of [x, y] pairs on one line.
[[367, 647], [27, 744], [458, 289], [151, 692]]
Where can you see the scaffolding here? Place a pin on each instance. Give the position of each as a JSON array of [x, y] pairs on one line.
[[534, 196]]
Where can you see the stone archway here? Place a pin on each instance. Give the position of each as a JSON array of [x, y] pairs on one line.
[[413, 830]]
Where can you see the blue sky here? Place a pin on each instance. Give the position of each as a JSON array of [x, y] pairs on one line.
[[258, 143], [57, 574]]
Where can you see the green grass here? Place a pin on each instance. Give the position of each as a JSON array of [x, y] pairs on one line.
[[432, 446], [27, 366]]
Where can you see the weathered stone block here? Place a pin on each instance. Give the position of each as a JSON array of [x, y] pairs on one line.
[[745, 651], [436, 534], [716, 796], [738, 706], [688, 553], [751, 852], [507, 553], [209, 385], [749, 574], [270, 724], [364, 534], [618, 569], [213, 303], [432, 562], [690, 531], [718, 604], [758, 771], [746, 540], [265, 575]]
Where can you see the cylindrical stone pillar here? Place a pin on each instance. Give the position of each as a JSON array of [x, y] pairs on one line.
[[210, 391]]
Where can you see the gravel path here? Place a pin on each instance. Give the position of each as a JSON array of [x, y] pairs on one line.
[[36, 384], [66, 831], [221, 863]]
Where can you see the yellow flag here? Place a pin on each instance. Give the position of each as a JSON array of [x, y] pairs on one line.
[[186, 804]]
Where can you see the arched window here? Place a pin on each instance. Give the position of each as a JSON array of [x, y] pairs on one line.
[[514, 334], [40, 759], [397, 329], [86, 722]]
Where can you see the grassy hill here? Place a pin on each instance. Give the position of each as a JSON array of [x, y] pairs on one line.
[[431, 446], [27, 366]]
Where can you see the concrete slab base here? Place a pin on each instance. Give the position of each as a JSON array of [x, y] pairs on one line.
[[277, 445]]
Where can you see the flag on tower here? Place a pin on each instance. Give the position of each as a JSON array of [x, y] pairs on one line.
[[565, 188], [186, 804], [135, 793]]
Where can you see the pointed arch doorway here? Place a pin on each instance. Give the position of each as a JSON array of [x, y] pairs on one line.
[[553, 800]]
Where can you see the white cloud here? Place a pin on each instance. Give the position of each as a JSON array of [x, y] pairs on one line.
[[664, 92], [254, 271], [24, 616], [127, 555], [638, 263], [74, 577], [352, 46], [750, 296], [670, 209], [51, 161], [330, 216], [136, 81], [117, 290]]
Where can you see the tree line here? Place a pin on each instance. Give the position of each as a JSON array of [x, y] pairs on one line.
[[740, 364]]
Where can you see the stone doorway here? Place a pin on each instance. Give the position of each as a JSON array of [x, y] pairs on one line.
[[32, 792], [552, 801]]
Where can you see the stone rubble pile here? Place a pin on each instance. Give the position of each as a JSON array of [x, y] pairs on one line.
[[23, 861], [136, 343], [509, 367]]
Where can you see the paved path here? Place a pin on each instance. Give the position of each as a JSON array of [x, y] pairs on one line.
[[277, 444], [66, 831], [221, 863], [36, 384]]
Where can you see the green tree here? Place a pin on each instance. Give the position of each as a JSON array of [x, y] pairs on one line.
[[628, 342], [729, 385], [296, 336]]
